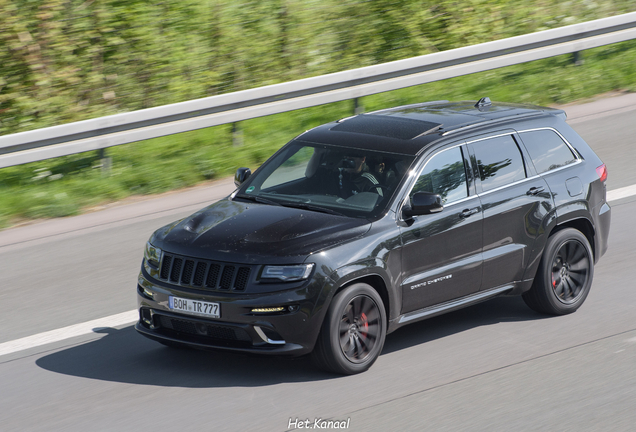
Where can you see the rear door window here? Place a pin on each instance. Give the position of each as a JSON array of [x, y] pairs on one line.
[[547, 150], [499, 162]]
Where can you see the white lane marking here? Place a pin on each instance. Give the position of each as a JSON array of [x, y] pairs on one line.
[[132, 316], [621, 193], [67, 332]]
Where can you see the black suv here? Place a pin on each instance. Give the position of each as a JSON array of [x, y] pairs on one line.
[[358, 227]]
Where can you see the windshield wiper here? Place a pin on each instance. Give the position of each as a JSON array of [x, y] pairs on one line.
[[257, 199], [262, 200], [312, 207]]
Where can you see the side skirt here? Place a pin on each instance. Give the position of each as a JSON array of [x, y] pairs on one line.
[[449, 306]]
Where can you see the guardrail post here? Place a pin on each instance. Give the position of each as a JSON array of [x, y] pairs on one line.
[[577, 58], [358, 108], [237, 135], [105, 161]]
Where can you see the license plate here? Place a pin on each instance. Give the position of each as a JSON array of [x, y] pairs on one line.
[[195, 307]]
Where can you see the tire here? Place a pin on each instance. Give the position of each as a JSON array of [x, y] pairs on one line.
[[353, 332], [565, 274]]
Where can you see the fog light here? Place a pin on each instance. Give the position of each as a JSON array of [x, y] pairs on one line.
[[146, 316], [268, 309]]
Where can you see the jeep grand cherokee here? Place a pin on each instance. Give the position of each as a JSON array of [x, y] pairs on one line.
[[358, 227]]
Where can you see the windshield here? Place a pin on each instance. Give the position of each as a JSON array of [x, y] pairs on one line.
[[331, 179]]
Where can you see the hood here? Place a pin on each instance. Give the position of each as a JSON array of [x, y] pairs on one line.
[[251, 233]]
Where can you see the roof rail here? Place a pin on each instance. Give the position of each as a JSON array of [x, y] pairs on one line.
[[489, 122], [420, 104]]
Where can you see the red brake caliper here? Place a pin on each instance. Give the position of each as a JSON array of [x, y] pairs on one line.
[[366, 325]]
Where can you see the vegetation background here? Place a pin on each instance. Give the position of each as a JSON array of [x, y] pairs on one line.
[[70, 60]]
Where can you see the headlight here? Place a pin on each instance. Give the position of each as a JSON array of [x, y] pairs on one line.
[[152, 255], [287, 273]]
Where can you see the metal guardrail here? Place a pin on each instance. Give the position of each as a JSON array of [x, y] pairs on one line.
[[103, 132]]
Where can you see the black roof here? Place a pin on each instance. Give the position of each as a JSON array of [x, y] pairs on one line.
[[386, 126], [407, 129]]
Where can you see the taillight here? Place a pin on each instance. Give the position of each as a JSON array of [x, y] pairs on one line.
[[602, 172]]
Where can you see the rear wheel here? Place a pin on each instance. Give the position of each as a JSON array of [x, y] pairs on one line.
[[564, 276], [353, 333]]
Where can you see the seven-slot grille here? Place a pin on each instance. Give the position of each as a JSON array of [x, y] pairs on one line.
[[203, 274]]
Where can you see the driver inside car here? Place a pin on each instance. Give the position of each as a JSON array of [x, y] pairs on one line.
[[354, 177]]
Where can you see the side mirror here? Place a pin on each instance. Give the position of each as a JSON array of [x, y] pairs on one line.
[[241, 175], [423, 203]]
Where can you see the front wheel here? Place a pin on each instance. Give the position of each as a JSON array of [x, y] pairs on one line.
[[564, 276], [353, 333]]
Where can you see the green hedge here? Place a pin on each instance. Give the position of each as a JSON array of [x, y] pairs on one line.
[[68, 60]]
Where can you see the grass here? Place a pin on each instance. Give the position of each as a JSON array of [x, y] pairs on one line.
[[68, 185]]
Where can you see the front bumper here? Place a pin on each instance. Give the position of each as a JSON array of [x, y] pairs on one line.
[[238, 329]]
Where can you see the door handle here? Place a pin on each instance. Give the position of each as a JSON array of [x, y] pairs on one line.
[[534, 190], [468, 212]]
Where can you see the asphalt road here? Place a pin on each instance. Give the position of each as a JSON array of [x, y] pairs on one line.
[[494, 366]]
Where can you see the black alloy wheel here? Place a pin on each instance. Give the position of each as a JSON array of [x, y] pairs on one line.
[[564, 276], [359, 328], [570, 271], [353, 332]]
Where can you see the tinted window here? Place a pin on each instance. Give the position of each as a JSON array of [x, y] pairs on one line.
[[499, 161], [547, 150], [293, 168], [444, 174]]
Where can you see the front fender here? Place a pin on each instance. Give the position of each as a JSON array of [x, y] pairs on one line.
[[373, 271]]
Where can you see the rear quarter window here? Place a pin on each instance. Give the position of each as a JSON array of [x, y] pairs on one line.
[[547, 150]]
